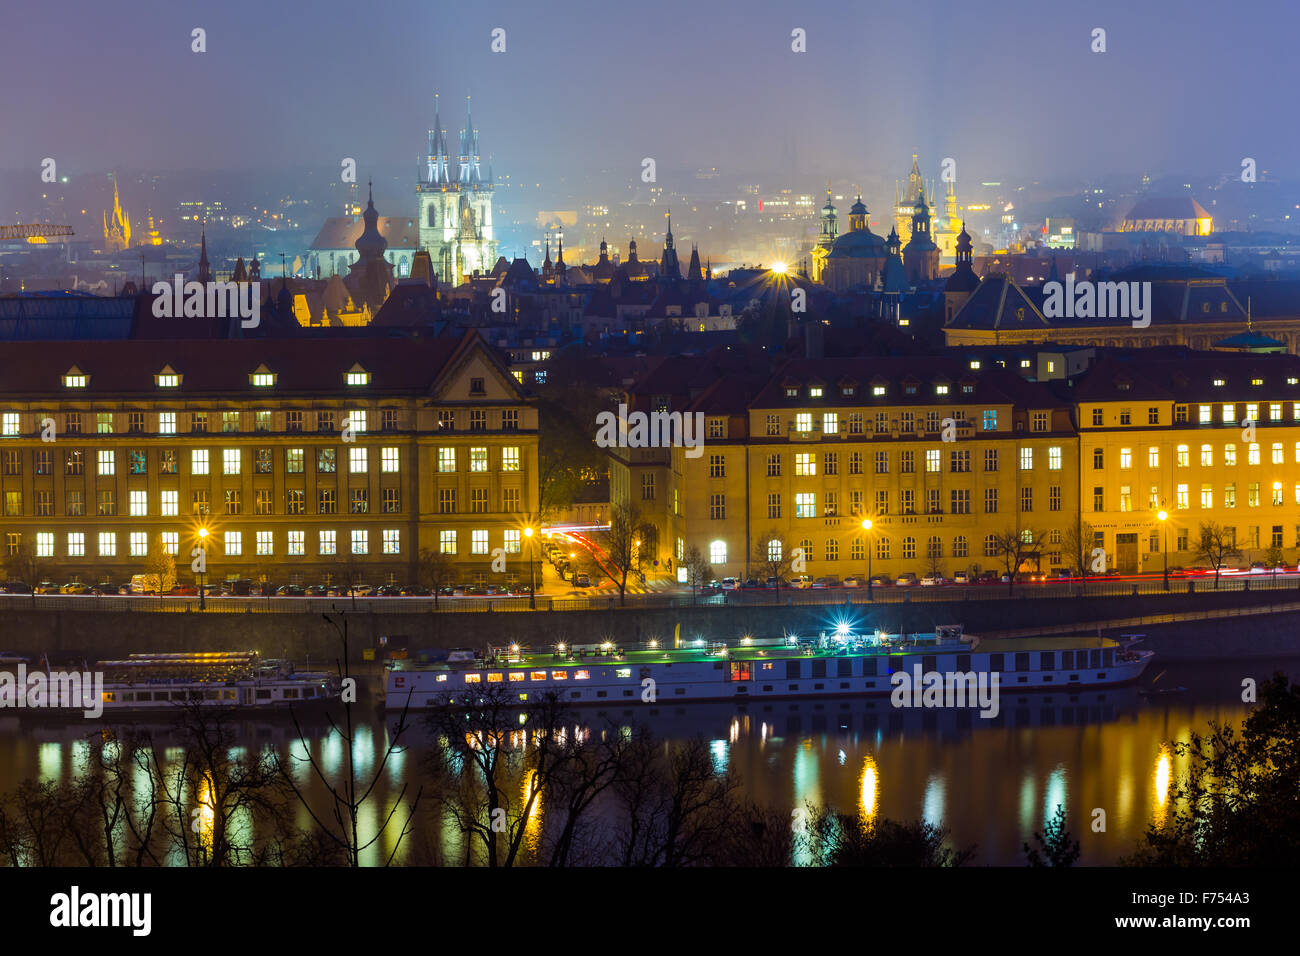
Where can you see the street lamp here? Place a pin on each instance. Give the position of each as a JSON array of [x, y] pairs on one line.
[[1163, 517], [203, 552], [866, 527], [532, 580]]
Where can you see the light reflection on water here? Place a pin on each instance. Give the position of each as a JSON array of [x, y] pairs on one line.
[[992, 783]]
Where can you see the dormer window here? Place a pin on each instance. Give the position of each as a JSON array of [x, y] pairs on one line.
[[941, 390], [848, 391], [1292, 380], [74, 378], [975, 365], [167, 377], [814, 391], [261, 377], [1218, 383], [877, 390], [1256, 381], [909, 389], [791, 392], [357, 375]]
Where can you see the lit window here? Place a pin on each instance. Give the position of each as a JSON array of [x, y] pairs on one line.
[[510, 458], [328, 543], [234, 542], [446, 459], [1026, 459], [74, 381], [139, 506], [199, 461], [107, 462], [230, 461], [139, 544], [1054, 458], [718, 552], [478, 542], [169, 381], [803, 422], [513, 540], [358, 378], [1184, 456], [263, 379], [297, 543], [76, 544], [447, 542], [805, 464], [392, 541], [356, 420], [10, 423], [805, 505], [108, 544], [171, 542], [45, 544], [1126, 458], [167, 423], [478, 459], [360, 541], [357, 461], [388, 460], [168, 503]]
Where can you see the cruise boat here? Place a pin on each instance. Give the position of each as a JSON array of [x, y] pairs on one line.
[[239, 680], [829, 665]]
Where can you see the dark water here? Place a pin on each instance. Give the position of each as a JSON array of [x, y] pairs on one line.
[[991, 782]]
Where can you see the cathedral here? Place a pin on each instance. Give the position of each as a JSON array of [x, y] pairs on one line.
[[117, 231], [944, 227], [455, 214]]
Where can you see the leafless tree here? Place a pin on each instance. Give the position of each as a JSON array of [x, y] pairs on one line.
[[1015, 546], [435, 570], [1215, 545], [698, 570], [621, 543], [1078, 542], [772, 556]]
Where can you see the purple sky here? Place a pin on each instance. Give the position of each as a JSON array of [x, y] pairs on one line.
[[1009, 90]]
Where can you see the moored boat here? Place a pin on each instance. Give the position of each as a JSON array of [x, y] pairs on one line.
[[839, 664]]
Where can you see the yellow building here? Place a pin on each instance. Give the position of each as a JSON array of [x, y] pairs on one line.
[[805, 455], [308, 460], [1211, 440]]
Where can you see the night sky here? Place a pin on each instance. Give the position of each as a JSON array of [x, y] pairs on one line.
[[1010, 90]]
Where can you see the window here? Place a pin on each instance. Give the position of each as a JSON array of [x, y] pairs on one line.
[[167, 461], [1252, 454], [774, 549], [234, 543], [1183, 501], [199, 502], [1229, 414], [262, 461], [447, 542], [1026, 459], [1205, 414], [293, 423], [803, 421], [357, 461], [262, 502], [509, 420], [478, 541], [990, 501], [959, 501], [1054, 458], [296, 543], [13, 504], [906, 462], [1183, 458], [359, 501], [326, 461], [138, 503], [12, 463], [327, 542], [230, 421], [295, 501], [882, 462], [1026, 499], [234, 501], [264, 543], [198, 421], [1054, 498], [230, 461], [932, 461], [1098, 417], [44, 462], [990, 459], [855, 463], [830, 463], [324, 421], [774, 505], [1207, 496], [293, 461], [478, 459], [717, 507], [76, 544], [446, 459], [830, 423], [108, 544], [447, 501], [909, 547], [326, 501], [1230, 454], [1278, 457], [1039, 423], [510, 500], [1098, 499], [1125, 498], [167, 423], [104, 423], [805, 505], [774, 464], [44, 503], [107, 461], [855, 423], [1125, 458], [1153, 416], [805, 464], [392, 541], [356, 421], [1126, 416], [717, 466], [391, 501], [990, 420], [72, 423], [45, 544]]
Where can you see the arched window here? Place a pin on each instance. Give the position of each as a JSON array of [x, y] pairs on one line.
[[960, 549]]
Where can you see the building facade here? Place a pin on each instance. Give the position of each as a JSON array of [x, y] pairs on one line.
[[455, 207], [307, 461]]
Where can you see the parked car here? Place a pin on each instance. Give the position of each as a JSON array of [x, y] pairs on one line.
[[987, 577], [316, 590], [389, 590], [829, 581], [1258, 567], [751, 584], [582, 580], [802, 582], [960, 577], [775, 582], [415, 590], [105, 587], [75, 587], [290, 590], [17, 587], [47, 587], [933, 580], [728, 584], [524, 589], [906, 579], [881, 581], [184, 590]]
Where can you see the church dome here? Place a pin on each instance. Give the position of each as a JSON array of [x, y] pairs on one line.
[[858, 244]]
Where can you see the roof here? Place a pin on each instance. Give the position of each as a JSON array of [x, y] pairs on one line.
[[65, 316], [1190, 377], [342, 232], [31, 370], [1178, 207]]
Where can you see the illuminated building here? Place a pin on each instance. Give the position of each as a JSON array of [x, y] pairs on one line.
[[308, 459], [455, 207], [1182, 215], [117, 232], [855, 258]]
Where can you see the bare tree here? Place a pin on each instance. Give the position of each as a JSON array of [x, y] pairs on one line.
[[1078, 542], [348, 796], [1215, 544], [23, 565], [160, 569], [698, 569], [435, 571], [772, 556], [1014, 547], [621, 543]]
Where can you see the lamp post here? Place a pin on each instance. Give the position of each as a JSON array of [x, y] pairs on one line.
[[203, 552], [1163, 517], [532, 580], [866, 527]]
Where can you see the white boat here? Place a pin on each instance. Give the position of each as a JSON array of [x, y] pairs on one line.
[[238, 680], [841, 664]]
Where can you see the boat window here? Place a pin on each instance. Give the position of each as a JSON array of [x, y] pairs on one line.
[[929, 663], [473, 678], [818, 669], [623, 672], [228, 694], [868, 667], [127, 696], [109, 696], [209, 695], [792, 670], [538, 675], [768, 665], [963, 662], [581, 675], [1022, 661], [1047, 661], [559, 675], [495, 678], [291, 693], [263, 694], [441, 678], [844, 667], [144, 695], [517, 675], [997, 662], [1067, 660]]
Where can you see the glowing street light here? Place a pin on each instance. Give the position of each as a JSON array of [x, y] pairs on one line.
[[780, 268], [866, 527]]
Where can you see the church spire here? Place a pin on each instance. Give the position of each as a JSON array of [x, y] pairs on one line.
[[205, 271]]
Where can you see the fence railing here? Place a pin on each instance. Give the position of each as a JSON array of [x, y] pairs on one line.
[[606, 601]]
